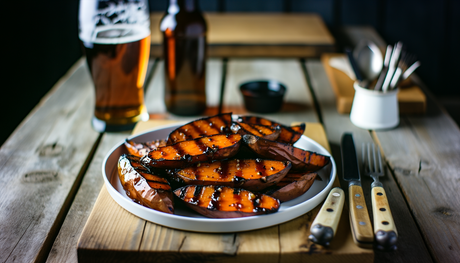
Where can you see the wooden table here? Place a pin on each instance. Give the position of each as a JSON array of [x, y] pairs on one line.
[[51, 177]]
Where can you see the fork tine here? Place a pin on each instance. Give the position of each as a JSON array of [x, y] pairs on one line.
[[380, 161]]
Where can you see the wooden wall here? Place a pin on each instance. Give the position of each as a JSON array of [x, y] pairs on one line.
[[429, 28], [47, 34]]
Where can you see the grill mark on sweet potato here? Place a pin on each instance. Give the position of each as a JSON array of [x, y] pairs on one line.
[[187, 149], [288, 134], [260, 168], [236, 171], [201, 145], [196, 195], [227, 199], [223, 172], [217, 124], [214, 204]]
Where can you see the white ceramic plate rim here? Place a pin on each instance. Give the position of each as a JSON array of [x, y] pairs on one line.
[[194, 222]]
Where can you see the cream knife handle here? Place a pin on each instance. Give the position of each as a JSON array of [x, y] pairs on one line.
[[359, 217], [385, 231], [324, 227]]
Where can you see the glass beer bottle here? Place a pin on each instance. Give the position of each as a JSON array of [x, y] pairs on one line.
[[184, 51]]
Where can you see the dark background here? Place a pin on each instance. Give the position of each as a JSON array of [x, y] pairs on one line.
[[44, 41]]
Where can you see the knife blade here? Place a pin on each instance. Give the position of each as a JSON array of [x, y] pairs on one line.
[[324, 227], [360, 222]]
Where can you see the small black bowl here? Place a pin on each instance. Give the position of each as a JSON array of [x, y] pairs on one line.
[[264, 96]]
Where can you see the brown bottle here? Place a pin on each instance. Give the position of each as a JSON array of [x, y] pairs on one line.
[[184, 50]]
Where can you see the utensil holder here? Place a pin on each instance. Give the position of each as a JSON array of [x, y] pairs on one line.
[[374, 110]]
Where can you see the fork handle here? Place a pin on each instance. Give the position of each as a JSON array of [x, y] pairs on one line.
[[385, 231]]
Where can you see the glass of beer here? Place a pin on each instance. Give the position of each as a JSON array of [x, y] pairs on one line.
[[115, 35]]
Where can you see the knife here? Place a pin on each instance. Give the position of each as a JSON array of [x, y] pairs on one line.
[[324, 227], [359, 216]]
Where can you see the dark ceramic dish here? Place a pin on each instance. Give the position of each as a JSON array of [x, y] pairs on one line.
[[264, 96]]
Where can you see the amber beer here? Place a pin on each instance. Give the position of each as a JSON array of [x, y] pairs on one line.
[[117, 59]]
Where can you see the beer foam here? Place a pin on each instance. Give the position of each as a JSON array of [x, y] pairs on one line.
[[116, 34]]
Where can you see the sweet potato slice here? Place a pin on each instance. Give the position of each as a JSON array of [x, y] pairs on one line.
[[301, 160], [218, 124], [266, 132], [182, 154], [226, 202], [143, 187], [142, 148], [288, 134], [292, 186], [252, 175]]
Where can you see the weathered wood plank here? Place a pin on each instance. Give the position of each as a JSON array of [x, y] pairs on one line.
[[64, 247], [259, 35], [41, 166], [424, 153], [410, 244]]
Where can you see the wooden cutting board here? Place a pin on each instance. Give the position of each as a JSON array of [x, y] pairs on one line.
[[258, 35], [112, 234], [411, 98]]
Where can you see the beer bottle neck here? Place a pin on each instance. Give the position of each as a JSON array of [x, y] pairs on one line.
[[183, 5]]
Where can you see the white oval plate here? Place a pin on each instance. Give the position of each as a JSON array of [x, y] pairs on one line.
[[186, 219]]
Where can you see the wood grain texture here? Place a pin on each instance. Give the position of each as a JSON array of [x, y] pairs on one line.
[[101, 241], [259, 35], [410, 244], [64, 246], [359, 217], [383, 219], [41, 167], [422, 154]]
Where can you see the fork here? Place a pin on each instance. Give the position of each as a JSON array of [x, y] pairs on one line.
[[385, 231]]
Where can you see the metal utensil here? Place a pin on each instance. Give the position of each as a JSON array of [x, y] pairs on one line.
[[324, 227], [354, 65], [386, 62], [359, 216], [410, 70], [392, 65], [385, 231], [369, 59]]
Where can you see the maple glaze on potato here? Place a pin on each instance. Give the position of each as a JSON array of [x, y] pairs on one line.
[[142, 148], [266, 132], [253, 174], [144, 187], [184, 153], [288, 134], [301, 160], [226, 202], [219, 124]]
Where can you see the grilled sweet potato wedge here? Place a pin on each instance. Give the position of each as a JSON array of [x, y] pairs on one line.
[[226, 202], [143, 187], [142, 148], [288, 134], [183, 154], [252, 175], [292, 186], [301, 160], [218, 124], [266, 132]]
